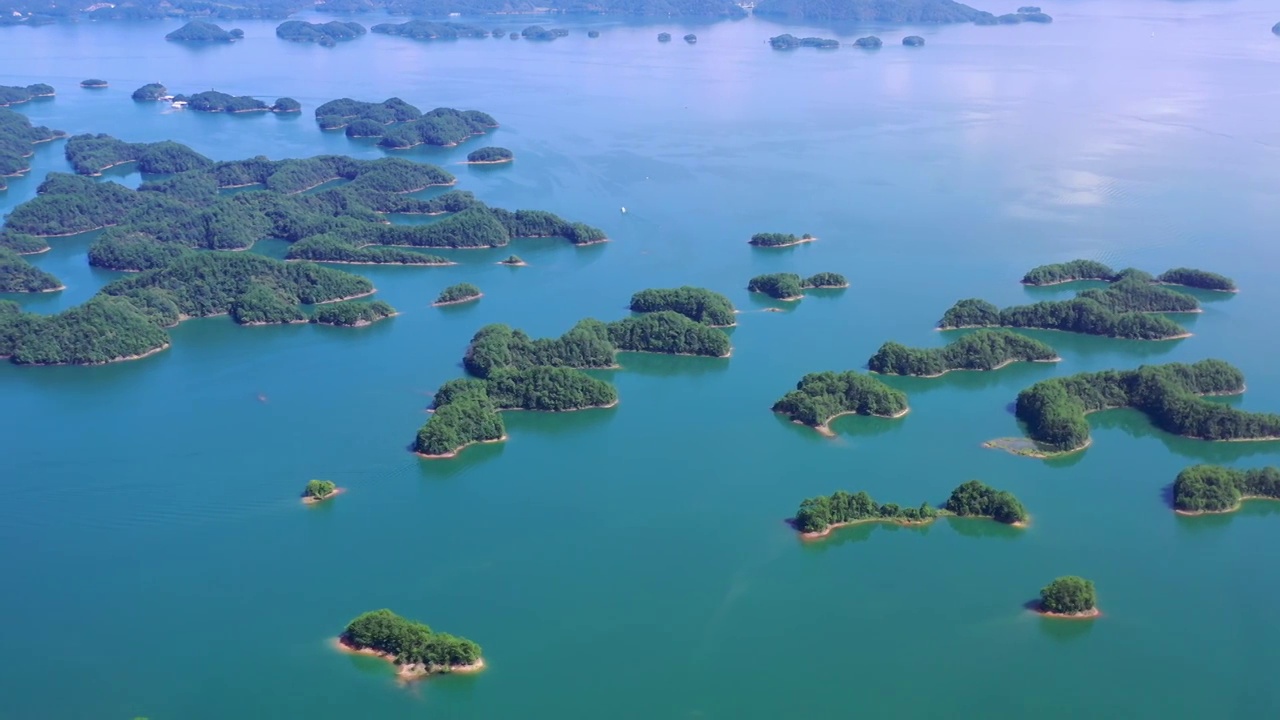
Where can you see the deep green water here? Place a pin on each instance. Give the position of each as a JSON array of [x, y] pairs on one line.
[[633, 562]]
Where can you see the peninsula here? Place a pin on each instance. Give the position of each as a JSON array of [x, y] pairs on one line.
[[319, 491], [19, 276], [789, 286], [460, 293], [414, 648], [490, 156], [1208, 489], [326, 34], [18, 94], [818, 516], [779, 240], [1170, 395], [822, 397], [201, 31], [980, 350], [1069, 597], [697, 304]]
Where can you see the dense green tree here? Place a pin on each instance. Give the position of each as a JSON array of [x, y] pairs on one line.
[[201, 31], [1084, 314], [102, 330], [319, 489], [327, 34], [409, 642], [460, 292], [17, 94], [825, 280], [150, 91], [1202, 279], [819, 397], [19, 276], [980, 350], [1212, 488], [773, 239], [215, 101], [871, 11], [782, 286], [549, 389], [668, 332], [17, 138], [1071, 271], [286, 105], [975, 499], [468, 418], [497, 347], [91, 154], [788, 41], [429, 30], [537, 32], [697, 304], [490, 155], [352, 314], [870, 42], [819, 513], [913, 41], [1068, 595]]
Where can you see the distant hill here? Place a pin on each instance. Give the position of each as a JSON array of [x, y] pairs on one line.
[[896, 11], [54, 10]]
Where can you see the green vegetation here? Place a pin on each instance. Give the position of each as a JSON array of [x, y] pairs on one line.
[[668, 333], [409, 643], [788, 41], [698, 304], [352, 314], [771, 240], [150, 91], [512, 260], [789, 286], [1216, 489], [93, 83], [462, 292], [913, 41], [1054, 410], [201, 31], [319, 489], [537, 32], [981, 350], [1201, 279], [214, 101], [16, 94], [871, 11], [975, 499], [821, 397], [817, 515], [132, 251], [491, 155], [870, 42], [1069, 595], [1068, 272], [691, 39], [664, 37], [91, 154], [104, 329], [326, 34], [400, 125], [17, 138], [286, 105], [19, 276], [427, 30]]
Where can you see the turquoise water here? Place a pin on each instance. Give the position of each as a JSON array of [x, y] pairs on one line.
[[633, 562]]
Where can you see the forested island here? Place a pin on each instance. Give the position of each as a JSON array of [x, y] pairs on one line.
[[822, 397], [19, 276], [871, 11], [537, 32], [697, 304], [17, 94], [201, 31], [490, 156], [691, 39], [18, 138], [789, 286], [1069, 597], [93, 83], [1205, 489], [1170, 395], [513, 261], [428, 30], [981, 350], [787, 41], [399, 125], [913, 41], [319, 491], [778, 240], [149, 92], [326, 34], [460, 293], [352, 314], [91, 154], [818, 516], [664, 37], [870, 42], [1075, 270], [416, 650], [214, 101], [1125, 309]]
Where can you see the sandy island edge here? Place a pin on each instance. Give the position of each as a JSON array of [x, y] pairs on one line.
[[412, 671], [312, 500], [1089, 614], [825, 427], [467, 299]]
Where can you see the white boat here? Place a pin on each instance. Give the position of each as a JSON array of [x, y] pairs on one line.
[[624, 211]]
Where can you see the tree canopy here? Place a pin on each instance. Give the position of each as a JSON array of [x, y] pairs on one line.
[[787, 41], [399, 125], [428, 30], [17, 140], [201, 31], [409, 642], [975, 499], [1213, 488], [773, 239], [490, 155], [819, 397], [697, 304], [352, 314], [1068, 595], [460, 292], [871, 11], [789, 286], [319, 489], [19, 276], [327, 34], [981, 350], [817, 514]]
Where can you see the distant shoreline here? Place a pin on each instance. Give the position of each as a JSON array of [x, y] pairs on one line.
[[1227, 511]]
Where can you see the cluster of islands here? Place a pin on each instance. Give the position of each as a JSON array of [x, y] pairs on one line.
[[212, 100], [397, 125]]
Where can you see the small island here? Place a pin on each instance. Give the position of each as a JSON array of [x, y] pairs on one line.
[[822, 397], [697, 304], [1077, 270], [201, 31], [429, 30], [1068, 597], [778, 240], [513, 261], [790, 287], [981, 350], [325, 34], [788, 41], [1199, 279], [916, 12], [16, 94], [213, 101], [318, 491], [913, 41], [691, 38], [593, 33], [1213, 489], [286, 105], [870, 42], [819, 516], [976, 499], [537, 32], [150, 92], [664, 37], [1170, 395], [490, 156], [93, 83], [1066, 272], [414, 648], [455, 294], [352, 314]]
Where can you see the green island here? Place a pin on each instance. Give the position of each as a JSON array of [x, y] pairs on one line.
[[201, 31], [913, 41], [664, 37], [414, 648], [868, 11], [427, 30], [777, 240], [399, 125], [537, 32], [460, 293], [286, 105], [1024, 14], [787, 41], [214, 101], [1125, 309], [789, 286], [1170, 395], [319, 491], [1211, 489], [1068, 597], [91, 154], [1076, 270], [18, 138], [697, 304], [326, 34], [691, 39], [490, 156], [18, 94], [980, 350], [150, 92], [352, 314], [19, 276], [93, 83], [870, 42], [822, 397], [818, 516], [513, 261]]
